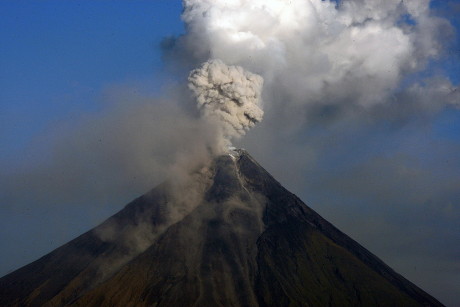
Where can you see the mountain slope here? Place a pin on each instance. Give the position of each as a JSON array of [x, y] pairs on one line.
[[235, 237]]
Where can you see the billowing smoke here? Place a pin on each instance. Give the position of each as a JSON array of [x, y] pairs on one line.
[[343, 55], [229, 96]]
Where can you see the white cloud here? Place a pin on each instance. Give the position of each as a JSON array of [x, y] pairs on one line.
[[313, 52]]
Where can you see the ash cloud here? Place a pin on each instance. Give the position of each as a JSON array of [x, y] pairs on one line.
[[135, 144], [316, 53], [228, 96]]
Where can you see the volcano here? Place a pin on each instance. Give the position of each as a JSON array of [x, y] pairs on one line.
[[232, 236]]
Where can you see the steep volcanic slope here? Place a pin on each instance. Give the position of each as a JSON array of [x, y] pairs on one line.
[[243, 241], [82, 263]]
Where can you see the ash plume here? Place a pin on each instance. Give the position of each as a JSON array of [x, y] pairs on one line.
[[229, 96], [311, 53]]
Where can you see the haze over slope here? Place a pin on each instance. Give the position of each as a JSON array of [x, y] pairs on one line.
[[240, 240]]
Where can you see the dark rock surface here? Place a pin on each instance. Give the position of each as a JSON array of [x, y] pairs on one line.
[[241, 240]]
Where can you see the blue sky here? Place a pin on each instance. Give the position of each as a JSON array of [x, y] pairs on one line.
[[63, 63], [58, 56]]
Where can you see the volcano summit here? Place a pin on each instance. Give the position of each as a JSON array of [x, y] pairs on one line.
[[235, 237]]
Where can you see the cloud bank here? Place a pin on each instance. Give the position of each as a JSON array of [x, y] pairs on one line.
[[318, 52]]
